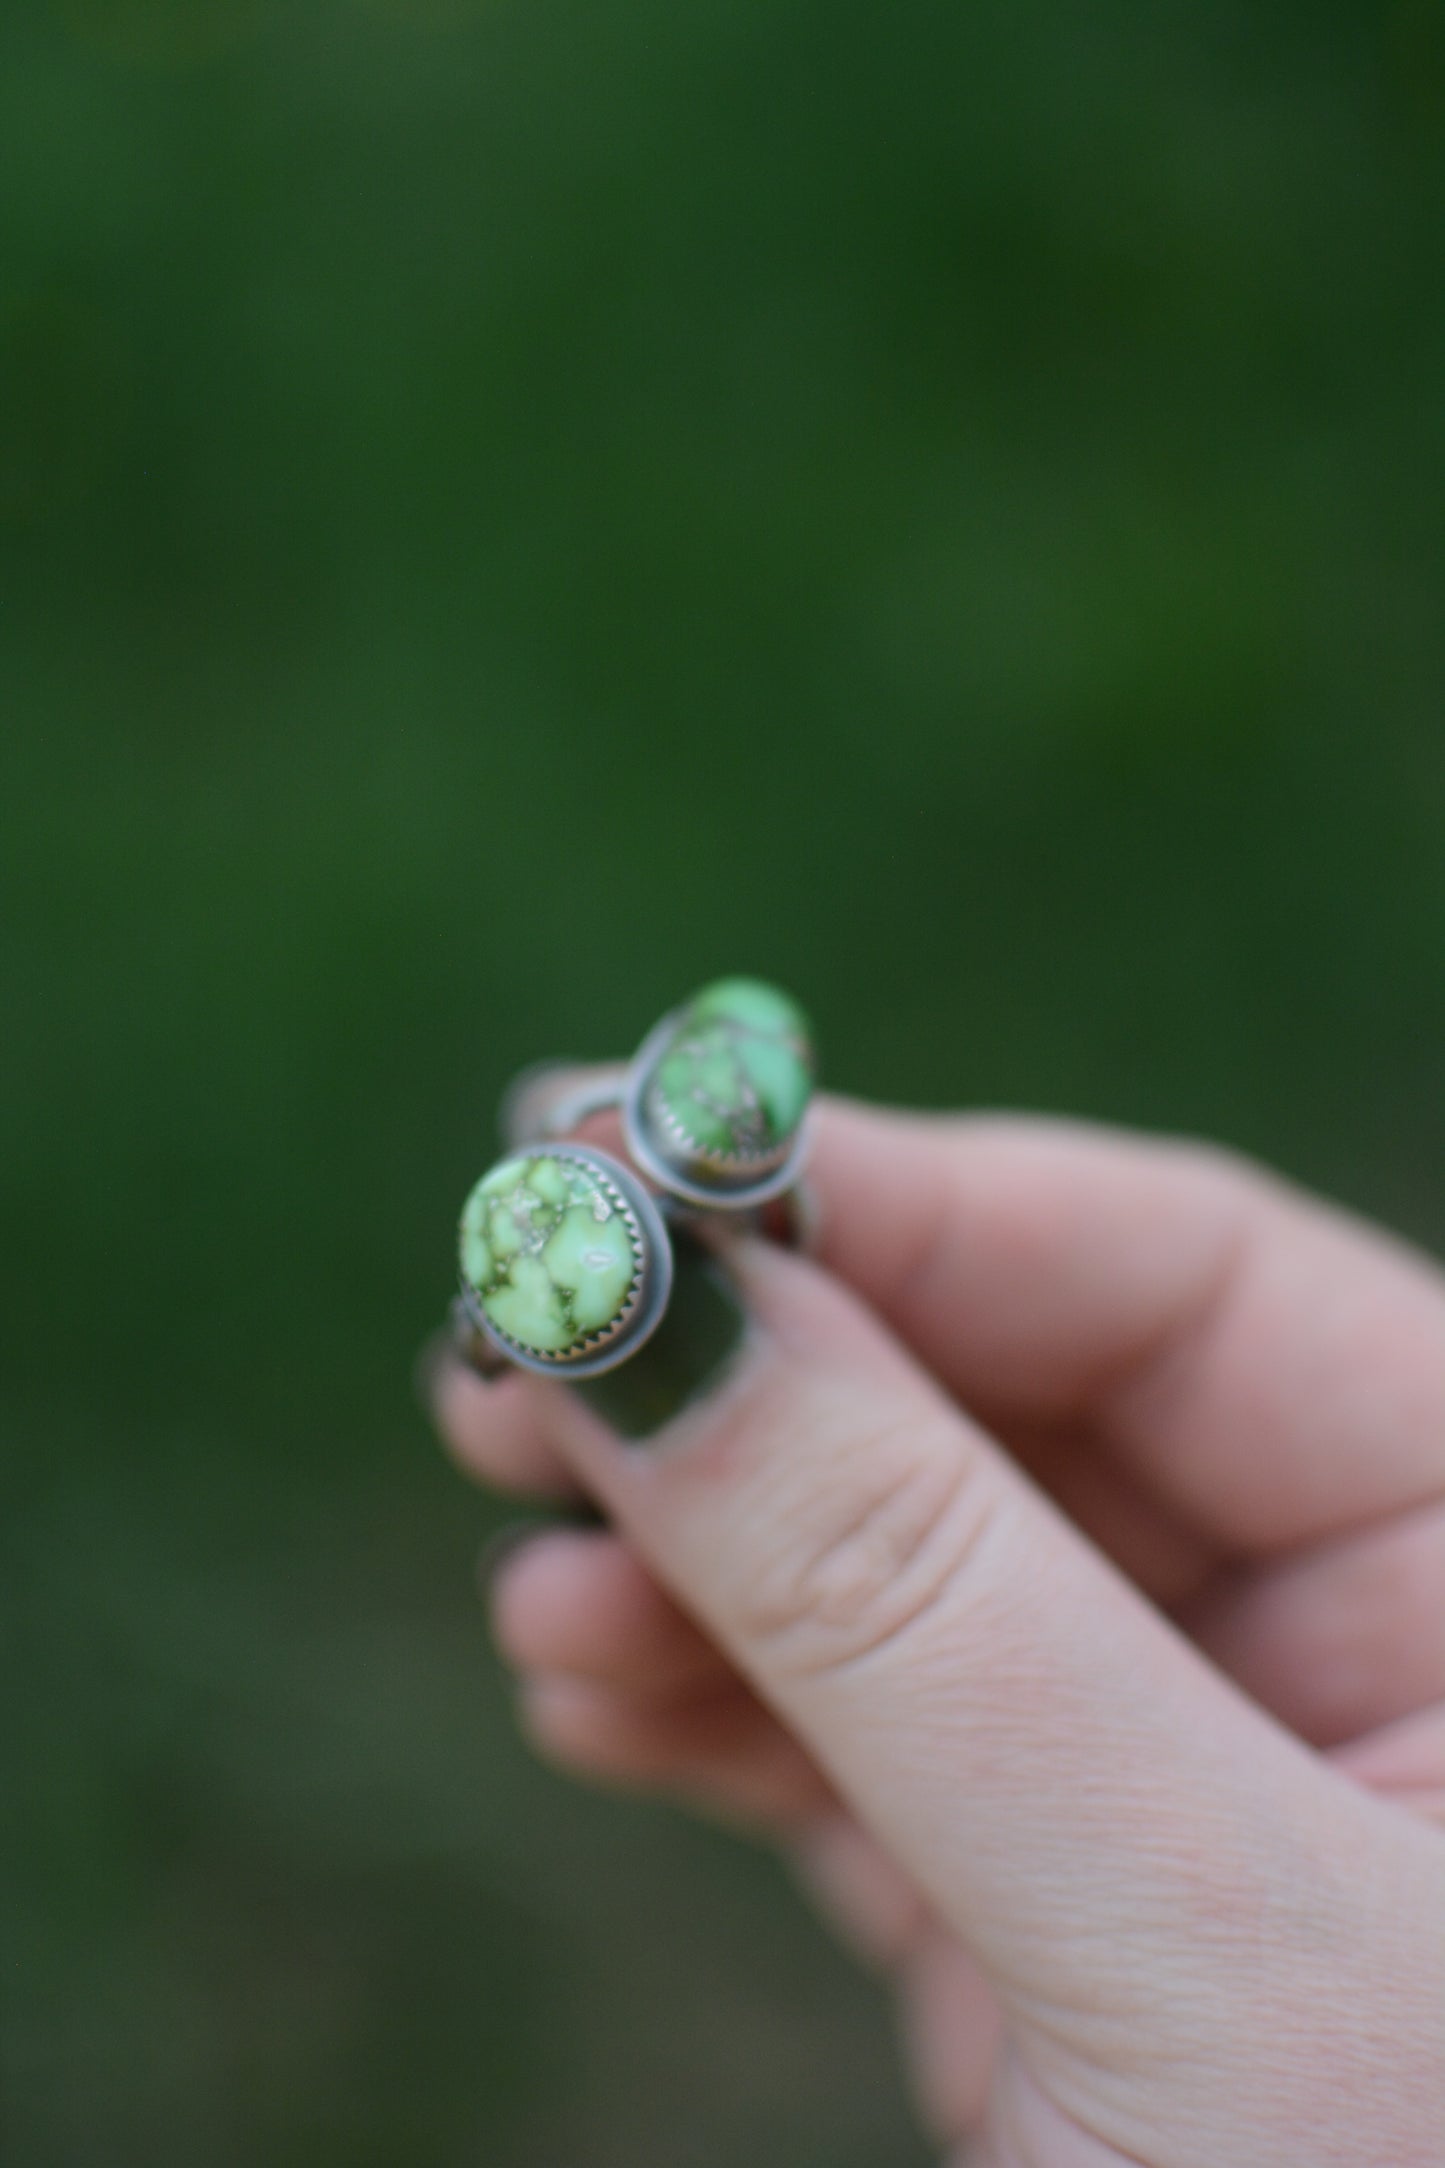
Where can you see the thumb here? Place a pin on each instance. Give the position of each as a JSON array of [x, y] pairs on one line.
[[1078, 1794]]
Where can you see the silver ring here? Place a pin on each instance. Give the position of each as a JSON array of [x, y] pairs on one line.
[[565, 1255], [714, 1104], [565, 1264], [695, 1170]]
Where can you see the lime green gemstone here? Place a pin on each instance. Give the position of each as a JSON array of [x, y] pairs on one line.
[[736, 1079], [549, 1252], [752, 1004]]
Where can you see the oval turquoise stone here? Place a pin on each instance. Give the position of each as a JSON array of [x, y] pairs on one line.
[[734, 1081], [550, 1251]]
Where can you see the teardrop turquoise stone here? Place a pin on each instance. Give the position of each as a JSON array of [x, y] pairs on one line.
[[735, 1080]]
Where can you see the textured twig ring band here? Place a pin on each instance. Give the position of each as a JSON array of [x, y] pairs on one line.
[[565, 1256]]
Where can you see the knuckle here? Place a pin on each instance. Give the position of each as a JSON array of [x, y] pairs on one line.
[[854, 1572]]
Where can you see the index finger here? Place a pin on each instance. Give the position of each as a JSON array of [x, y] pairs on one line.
[[1269, 1365]]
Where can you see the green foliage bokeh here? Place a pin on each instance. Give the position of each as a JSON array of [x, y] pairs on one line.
[[507, 511]]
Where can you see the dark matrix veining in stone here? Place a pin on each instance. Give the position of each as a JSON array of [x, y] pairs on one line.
[[735, 1080]]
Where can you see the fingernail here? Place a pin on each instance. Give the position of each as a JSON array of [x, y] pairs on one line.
[[515, 1535], [685, 1357]]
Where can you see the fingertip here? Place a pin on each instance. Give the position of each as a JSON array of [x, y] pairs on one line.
[[586, 1729], [460, 1402], [503, 1545], [874, 1906], [723, 1753], [566, 1722], [490, 1428], [581, 1603], [531, 1585]]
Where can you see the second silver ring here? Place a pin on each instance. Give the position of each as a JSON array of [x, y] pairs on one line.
[[713, 1106]]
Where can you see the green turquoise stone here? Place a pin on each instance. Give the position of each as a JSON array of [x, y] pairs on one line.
[[735, 1080], [550, 1252]]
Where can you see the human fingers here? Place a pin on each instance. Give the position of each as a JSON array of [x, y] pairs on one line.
[[1340, 1638], [1404, 1761], [1144, 1535], [490, 1427], [621, 1687], [952, 2032], [863, 1893], [579, 1603], [1274, 1367], [949, 2017], [722, 1752], [1095, 1812]]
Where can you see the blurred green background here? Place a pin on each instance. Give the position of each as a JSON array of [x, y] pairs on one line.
[[509, 508]]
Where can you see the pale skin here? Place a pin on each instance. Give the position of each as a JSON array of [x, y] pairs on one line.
[[1058, 1574]]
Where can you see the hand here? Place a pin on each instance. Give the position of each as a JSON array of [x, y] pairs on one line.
[[1058, 1567]]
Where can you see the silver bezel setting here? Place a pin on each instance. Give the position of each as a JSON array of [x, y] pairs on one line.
[[647, 1298], [687, 1170]]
